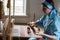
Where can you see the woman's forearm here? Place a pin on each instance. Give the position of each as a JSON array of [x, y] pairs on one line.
[[49, 36]]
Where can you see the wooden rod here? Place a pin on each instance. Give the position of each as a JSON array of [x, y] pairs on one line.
[[13, 8]]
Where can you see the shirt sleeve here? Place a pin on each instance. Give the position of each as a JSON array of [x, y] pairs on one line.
[[56, 30], [40, 20]]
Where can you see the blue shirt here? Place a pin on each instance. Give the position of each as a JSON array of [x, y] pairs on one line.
[[51, 26]]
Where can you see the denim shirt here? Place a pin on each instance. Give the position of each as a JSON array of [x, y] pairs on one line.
[[51, 26]]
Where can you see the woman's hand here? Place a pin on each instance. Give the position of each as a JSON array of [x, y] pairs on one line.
[[51, 37], [32, 24], [39, 34]]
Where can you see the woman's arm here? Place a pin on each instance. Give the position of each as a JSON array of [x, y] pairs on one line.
[[51, 37]]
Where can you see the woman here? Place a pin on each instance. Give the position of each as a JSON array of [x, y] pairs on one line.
[[50, 21]]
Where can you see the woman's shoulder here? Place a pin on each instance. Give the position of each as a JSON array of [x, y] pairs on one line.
[[57, 20]]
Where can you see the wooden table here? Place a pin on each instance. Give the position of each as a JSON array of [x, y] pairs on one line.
[[20, 31]]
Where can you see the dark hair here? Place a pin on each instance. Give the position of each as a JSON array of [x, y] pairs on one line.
[[51, 2], [44, 5]]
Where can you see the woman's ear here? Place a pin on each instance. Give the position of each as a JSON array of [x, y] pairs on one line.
[[52, 3]]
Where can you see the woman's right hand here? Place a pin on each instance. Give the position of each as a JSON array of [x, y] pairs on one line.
[[32, 24]]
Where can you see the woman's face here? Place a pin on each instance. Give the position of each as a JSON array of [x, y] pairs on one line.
[[45, 9]]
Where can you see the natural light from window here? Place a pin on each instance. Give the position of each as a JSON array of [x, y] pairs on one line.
[[20, 8]]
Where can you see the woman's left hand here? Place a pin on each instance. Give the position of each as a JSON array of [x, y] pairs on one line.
[[39, 34]]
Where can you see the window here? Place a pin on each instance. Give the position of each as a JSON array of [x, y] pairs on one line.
[[20, 8]]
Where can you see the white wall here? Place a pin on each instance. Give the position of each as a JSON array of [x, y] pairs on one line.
[[34, 6], [57, 5]]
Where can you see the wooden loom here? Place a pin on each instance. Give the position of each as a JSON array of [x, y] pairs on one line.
[[7, 27]]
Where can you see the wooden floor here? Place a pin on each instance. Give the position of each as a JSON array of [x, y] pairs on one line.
[[16, 38]]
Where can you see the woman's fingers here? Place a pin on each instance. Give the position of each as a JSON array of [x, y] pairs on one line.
[[31, 24], [39, 34]]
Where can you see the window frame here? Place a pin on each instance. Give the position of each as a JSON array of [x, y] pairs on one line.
[[27, 9]]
